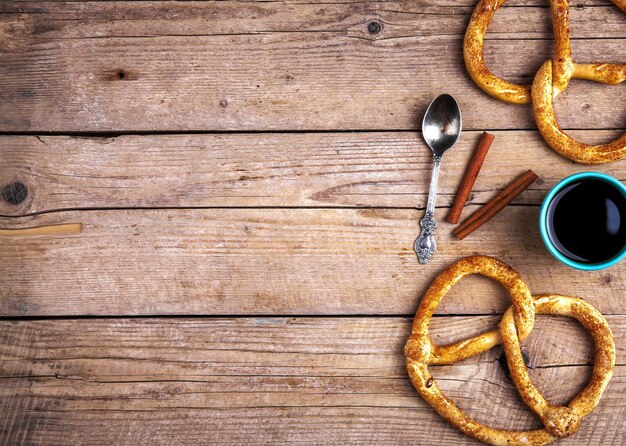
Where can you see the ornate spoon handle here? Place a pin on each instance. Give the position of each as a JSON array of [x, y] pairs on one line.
[[425, 244]]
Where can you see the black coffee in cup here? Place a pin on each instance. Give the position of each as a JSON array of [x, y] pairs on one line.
[[586, 221]]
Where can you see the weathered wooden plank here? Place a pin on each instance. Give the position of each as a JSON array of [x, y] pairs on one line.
[[314, 169], [509, 3], [268, 380], [397, 18], [78, 71], [269, 261]]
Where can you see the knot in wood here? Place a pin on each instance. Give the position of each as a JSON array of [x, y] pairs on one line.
[[15, 193], [374, 27]]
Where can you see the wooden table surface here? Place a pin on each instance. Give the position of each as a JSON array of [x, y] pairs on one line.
[[249, 177]]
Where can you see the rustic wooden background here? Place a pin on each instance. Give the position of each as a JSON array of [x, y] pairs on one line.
[[249, 177]]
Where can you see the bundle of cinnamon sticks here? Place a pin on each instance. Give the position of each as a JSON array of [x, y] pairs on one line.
[[496, 204]]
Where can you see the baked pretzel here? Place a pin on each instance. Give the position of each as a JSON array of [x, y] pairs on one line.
[[549, 82], [555, 137], [516, 324]]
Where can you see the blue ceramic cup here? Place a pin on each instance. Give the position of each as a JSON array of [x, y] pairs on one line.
[[543, 220]]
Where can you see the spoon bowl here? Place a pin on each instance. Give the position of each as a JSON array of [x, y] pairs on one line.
[[442, 124]]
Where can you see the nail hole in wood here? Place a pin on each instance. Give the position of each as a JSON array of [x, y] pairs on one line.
[[121, 75], [15, 193], [373, 27]]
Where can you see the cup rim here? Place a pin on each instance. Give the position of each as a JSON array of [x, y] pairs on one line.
[[543, 230]]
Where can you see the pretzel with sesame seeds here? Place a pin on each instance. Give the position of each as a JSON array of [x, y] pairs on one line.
[[516, 324], [553, 77]]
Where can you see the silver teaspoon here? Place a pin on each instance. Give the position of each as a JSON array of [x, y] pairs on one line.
[[441, 129]]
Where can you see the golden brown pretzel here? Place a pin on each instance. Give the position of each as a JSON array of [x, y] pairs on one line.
[[487, 81], [548, 83], [543, 106], [516, 324]]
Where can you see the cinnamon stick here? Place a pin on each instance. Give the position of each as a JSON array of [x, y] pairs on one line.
[[495, 205], [471, 173]]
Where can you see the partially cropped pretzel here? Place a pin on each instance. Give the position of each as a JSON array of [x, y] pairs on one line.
[[516, 324], [555, 137], [550, 80]]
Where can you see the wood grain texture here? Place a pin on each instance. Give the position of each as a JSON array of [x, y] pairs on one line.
[[184, 224], [132, 66], [191, 18], [269, 261], [390, 169], [275, 380]]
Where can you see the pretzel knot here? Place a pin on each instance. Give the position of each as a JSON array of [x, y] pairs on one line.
[[515, 326], [551, 79]]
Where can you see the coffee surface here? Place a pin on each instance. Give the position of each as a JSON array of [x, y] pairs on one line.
[[587, 221]]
